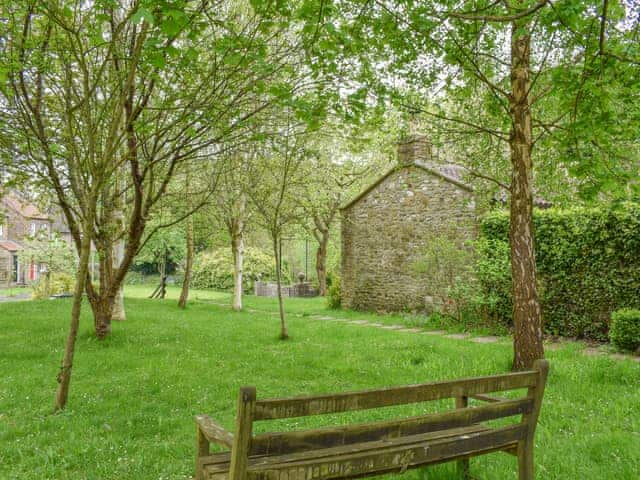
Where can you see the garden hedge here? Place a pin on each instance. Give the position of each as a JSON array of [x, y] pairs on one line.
[[588, 263]]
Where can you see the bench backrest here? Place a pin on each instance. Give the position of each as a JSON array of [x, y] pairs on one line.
[[250, 409]]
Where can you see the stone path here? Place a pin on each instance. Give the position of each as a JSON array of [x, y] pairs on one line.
[[589, 351], [16, 298], [486, 339]]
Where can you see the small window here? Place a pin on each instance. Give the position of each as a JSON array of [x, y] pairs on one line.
[[1, 230], [33, 228]]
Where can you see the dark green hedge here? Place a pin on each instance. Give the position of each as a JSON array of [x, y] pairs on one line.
[[588, 266]]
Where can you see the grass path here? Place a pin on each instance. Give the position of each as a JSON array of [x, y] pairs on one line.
[[316, 309], [133, 396]]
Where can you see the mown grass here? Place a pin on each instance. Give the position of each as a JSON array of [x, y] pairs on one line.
[[14, 291], [133, 395]]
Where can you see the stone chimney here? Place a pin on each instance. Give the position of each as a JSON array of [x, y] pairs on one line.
[[414, 148]]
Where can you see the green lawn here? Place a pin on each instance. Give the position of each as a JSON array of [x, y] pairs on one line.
[[133, 396], [13, 291]]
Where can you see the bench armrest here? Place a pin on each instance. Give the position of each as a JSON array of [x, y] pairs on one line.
[[213, 432]]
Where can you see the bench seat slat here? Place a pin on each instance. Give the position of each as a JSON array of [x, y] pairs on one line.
[[220, 462], [285, 442], [343, 402], [378, 457]]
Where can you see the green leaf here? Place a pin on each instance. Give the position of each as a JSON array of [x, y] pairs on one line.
[[143, 14]]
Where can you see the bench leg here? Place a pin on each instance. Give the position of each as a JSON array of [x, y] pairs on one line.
[[202, 450], [463, 469], [463, 465], [525, 460]]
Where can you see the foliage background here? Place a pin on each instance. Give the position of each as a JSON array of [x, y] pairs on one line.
[[214, 269], [588, 266]]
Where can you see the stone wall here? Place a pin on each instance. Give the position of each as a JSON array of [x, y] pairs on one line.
[[384, 233], [270, 289]]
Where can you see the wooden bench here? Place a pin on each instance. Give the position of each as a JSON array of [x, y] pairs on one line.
[[350, 451]]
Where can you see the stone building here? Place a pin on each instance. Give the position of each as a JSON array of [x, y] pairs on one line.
[[385, 228], [19, 220]]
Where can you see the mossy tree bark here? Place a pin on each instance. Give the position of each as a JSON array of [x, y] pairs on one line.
[[527, 318], [188, 265], [276, 251], [64, 376]]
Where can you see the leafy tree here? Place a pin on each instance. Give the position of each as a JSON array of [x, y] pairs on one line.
[[276, 181], [103, 103], [493, 64]]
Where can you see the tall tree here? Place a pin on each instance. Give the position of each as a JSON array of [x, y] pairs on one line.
[[485, 55]]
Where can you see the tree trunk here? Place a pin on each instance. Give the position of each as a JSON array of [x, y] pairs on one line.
[[321, 262], [102, 315], [184, 294], [283, 326], [118, 310], [527, 318], [64, 376], [237, 245]]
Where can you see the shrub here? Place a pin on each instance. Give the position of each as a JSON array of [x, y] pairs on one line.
[[587, 266], [214, 269], [58, 283], [334, 293], [446, 270], [625, 329]]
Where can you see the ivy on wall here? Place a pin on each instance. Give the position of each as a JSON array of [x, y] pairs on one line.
[[588, 263]]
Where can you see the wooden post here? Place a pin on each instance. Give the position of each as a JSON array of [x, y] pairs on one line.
[[242, 437], [463, 465], [202, 450], [525, 447]]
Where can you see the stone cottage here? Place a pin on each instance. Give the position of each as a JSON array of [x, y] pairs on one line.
[[19, 220], [385, 228]]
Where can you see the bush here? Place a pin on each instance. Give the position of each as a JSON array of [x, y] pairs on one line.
[[214, 269], [587, 264], [58, 283], [625, 329], [334, 293], [446, 271]]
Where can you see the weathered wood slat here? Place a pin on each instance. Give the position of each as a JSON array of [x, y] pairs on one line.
[[283, 442], [213, 432], [343, 402], [218, 463], [488, 398], [243, 433], [390, 459]]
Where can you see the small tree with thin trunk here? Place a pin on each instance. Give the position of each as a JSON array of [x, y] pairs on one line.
[[276, 182], [231, 209]]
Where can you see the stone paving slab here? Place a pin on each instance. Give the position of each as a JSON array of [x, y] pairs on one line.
[[458, 336], [392, 327], [485, 339], [434, 332], [592, 352], [358, 322]]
